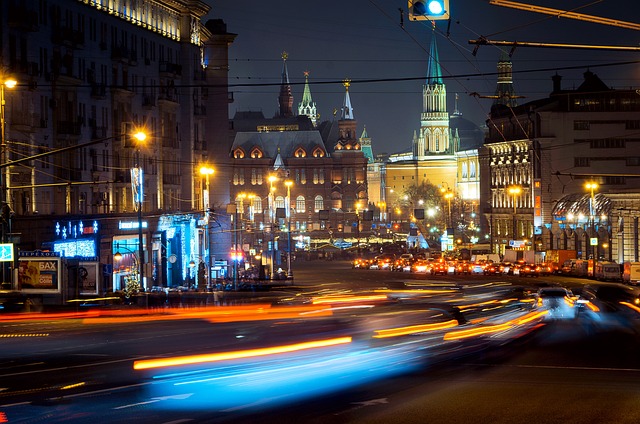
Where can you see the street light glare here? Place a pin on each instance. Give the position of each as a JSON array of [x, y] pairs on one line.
[[140, 136], [205, 170]]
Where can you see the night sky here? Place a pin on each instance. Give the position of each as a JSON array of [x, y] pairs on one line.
[[364, 40]]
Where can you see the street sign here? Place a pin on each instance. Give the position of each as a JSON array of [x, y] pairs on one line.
[[6, 252]]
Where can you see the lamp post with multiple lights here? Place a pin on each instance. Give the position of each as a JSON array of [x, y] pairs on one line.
[[137, 178], [207, 171], [4, 179], [514, 191], [591, 186], [288, 184]]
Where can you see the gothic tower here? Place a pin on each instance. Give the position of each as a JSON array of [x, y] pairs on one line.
[[433, 137], [348, 139], [285, 99], [505, 93], [308, 106]]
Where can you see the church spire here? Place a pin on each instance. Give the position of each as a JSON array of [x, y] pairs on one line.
[[434, 135], [307, 106], [347, 124], [347, 110], [434, 73], [285, 99]]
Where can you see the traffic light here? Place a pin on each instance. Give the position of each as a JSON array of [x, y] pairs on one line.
[[432, 10]]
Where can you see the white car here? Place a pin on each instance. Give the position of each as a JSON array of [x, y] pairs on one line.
[[558, 301]]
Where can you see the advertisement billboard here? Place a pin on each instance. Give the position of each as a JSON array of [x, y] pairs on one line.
[[39, 274]]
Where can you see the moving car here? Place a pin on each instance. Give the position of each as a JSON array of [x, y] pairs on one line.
[[558, 301]]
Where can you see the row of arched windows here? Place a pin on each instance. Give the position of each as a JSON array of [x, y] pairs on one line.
[[257, 153]]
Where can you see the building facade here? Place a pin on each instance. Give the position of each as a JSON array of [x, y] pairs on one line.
[[548, 150], [91, 73]]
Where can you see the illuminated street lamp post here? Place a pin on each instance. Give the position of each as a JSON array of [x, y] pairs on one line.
[[288, 184], [272, 215], [206, 171], [137, 176], [4, 198], [514, 191], [591, 186]]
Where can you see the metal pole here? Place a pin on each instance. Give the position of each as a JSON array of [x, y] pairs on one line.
[[3, 159], [289, 270], [235, 248], [139, 201]]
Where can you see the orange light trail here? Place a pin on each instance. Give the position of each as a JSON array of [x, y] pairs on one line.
[[412, 329], [631, 305], [250, 353], [472, 332], [348, 299]]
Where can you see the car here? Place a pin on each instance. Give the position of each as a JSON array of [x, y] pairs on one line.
[[477, 268], [529, 270], [440, 267], [463, 267], [421, 266], [560, 302], [610, 304], [546, 268], [492, 268]]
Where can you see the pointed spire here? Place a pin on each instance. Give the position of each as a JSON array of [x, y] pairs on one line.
[[456, 111], [347, 110], [307, 106], [285, 99], [434, 73]]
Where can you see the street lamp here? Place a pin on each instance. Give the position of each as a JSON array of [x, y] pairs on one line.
[[448, 195], [137, 178], [272, 179], [4, 198], [514, 191], [206, 171], [591, 186], [288, 184]]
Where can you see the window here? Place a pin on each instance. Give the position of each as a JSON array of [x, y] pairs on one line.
[[464, 170], [256, 153], [303, 176], [238, 154], [300, 204], [254, 177], [318, 153], [318, 203], [300, 153], [581, 125], [580, 162], [279, 202], [257, 205], [472, 170]]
